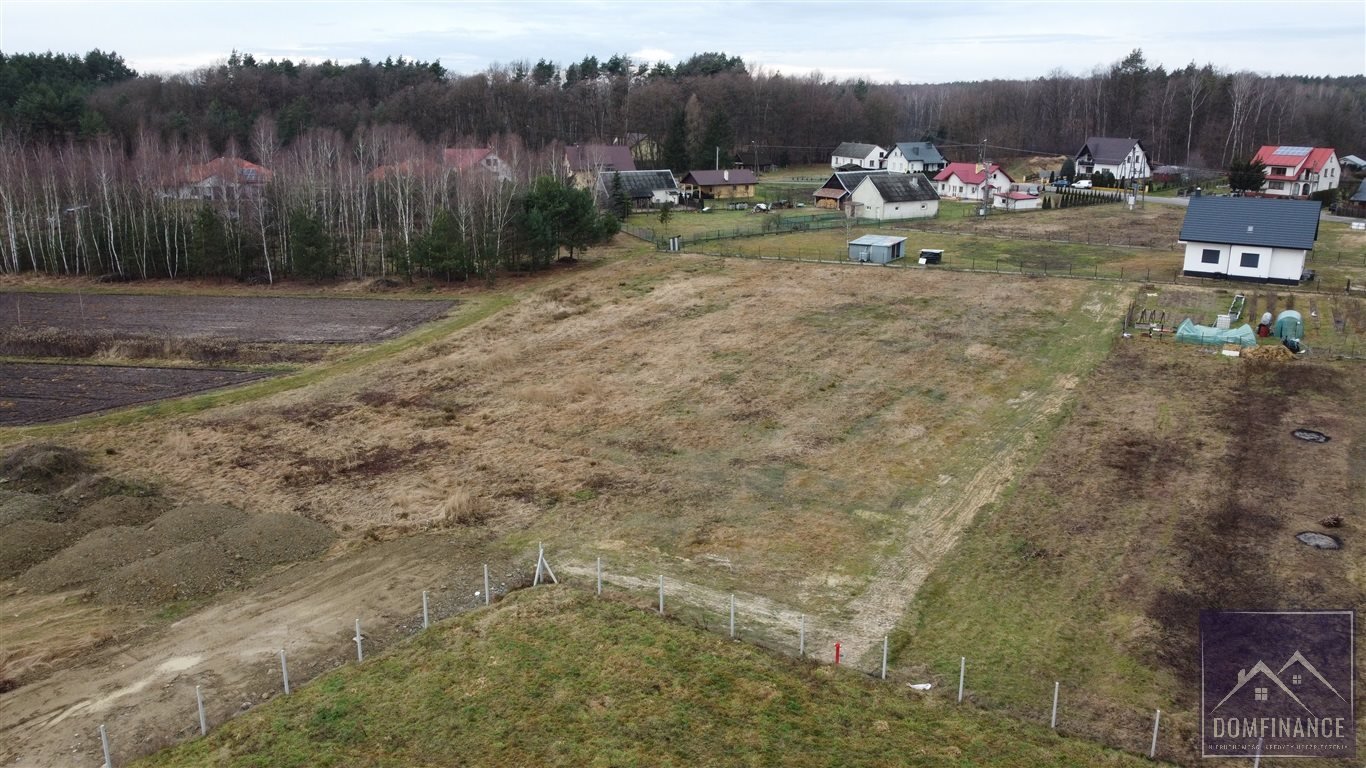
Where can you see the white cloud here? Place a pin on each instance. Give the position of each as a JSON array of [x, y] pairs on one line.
[[652, 55]]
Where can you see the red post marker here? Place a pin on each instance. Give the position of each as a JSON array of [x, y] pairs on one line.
[[837, 653]]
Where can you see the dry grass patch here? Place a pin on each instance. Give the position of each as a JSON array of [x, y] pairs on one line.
[[780, 417]]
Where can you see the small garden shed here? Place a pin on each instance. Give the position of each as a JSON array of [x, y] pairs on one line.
[[877, 249]]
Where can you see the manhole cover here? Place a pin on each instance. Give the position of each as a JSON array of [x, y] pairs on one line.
[[1319, 540], [1310, 435]]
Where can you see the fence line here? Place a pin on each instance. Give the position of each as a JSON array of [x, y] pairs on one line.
[[628, 585]]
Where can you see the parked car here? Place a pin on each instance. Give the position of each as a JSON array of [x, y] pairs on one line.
[[1083, 184], [1060, 183]]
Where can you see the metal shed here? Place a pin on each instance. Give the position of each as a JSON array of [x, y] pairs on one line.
[[876, 249]]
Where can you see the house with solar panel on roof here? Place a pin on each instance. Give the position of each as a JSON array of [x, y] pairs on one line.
[[1249, 238], [889, 196], [1123, 158], [646, 189], [1299, 171]]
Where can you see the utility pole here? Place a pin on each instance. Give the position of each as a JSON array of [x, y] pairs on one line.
[[986, 178]]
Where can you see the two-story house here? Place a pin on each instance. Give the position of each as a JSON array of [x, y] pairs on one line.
[[915, 157], [1299, 171], [1123, 158]]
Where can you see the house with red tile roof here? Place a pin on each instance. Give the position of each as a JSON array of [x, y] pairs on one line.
[[222, 178], [1299, 171], [970, 181]]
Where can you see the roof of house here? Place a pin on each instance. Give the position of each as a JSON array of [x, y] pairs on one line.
[[902, 187], [848, 180], [720, 178], [638, 184], [923, 151], [855, 149], [1352, 160], [877, 240], [458, 159], [1360, 196], [969, 173], [1312, 158], [1107, 150], [1252, 221], [229, 170], [598, 157], [1017, 195]]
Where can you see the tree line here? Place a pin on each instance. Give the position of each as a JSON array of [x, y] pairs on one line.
[[1198, 115], [90, 209]]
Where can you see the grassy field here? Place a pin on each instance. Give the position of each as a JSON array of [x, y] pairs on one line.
[[553, 677], [1192, 494]]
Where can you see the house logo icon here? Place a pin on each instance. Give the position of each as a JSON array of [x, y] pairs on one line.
[[1302, 708]]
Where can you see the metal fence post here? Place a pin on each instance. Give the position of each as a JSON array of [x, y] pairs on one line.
[[1053, 723], [962, 669], [661, 594], [426, 621], [284, 671], [203, 722], [104, 744], [1157, 718]]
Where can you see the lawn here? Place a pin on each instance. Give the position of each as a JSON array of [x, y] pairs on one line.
[[554, 677]]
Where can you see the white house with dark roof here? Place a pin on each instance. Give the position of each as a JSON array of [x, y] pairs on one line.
[[583, 162], [1249, 238], [868, 156], [838, 189], [1299, 171], [1123, 158], [889, 196], [645, 188], [915, 157]]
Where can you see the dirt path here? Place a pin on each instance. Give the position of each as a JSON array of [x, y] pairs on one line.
[[144, 693]]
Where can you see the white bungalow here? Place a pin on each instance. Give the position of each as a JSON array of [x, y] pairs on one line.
[[888, 196], [968, 181], [850, 153], [1249, 238]]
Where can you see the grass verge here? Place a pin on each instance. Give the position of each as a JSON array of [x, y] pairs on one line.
[[554, 677]]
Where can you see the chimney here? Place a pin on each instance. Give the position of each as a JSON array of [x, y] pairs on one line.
[[725, 176]]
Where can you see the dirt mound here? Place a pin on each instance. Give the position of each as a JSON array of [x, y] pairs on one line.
[[93, 556], [119, 510], [192, 570], [196, 522], [265, 540], [15, 505], [1269, 352], [42, 468], [25, 543]]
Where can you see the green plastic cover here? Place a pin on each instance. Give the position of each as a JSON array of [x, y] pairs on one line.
[[1243, 335]]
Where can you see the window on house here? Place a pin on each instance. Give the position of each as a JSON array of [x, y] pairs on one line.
[[1296, 679], [1209, 256], [1259, 693], [1275, 185], [1249, 260]]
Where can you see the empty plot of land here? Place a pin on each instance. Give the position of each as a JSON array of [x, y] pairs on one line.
[[261, 319], [31, 393]]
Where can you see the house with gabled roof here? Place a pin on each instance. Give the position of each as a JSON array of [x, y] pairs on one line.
[[222, 178], [970, 181], [583, 163], [1249, 238], [915, 157], [864, 156], [725, 183], [459, 160], [889, 196], [646, 189], [1123, 158], [1299, 171], [838, 189]]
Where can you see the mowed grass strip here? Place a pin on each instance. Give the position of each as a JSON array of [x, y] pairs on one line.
[[554, 677]]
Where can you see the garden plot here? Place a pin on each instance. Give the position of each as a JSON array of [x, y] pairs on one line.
[[32, 393], [247, 319]]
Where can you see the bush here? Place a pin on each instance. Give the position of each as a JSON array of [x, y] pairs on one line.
[[1325, 197]]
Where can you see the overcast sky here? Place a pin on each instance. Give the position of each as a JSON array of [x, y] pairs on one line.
[[884, 41]]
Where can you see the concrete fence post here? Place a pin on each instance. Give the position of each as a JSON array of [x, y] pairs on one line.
[[1157, 719], [486, 583], [284, 671], [360, 653], [104, 744], [426, 619], [962, 670], [661, 594], [1053, 723]]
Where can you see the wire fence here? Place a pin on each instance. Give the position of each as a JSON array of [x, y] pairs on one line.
[[740, 617]]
